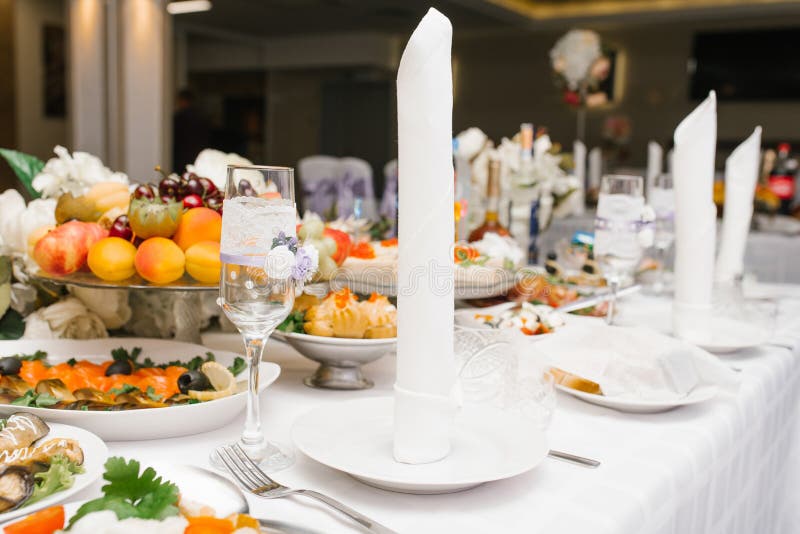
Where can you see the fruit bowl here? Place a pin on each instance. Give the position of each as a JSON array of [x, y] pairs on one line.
[[340, 359]]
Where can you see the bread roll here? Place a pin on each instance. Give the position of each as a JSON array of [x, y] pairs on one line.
[[575, 382]]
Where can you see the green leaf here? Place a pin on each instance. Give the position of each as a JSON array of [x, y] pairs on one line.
[[11, 325], [25, 166], [38, 355], [152, 395], [239, 365], [71, 362], [58, 477], [35, 400], [126, 388], [150, 496]]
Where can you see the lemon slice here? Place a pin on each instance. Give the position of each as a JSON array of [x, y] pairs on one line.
[[222, 380]]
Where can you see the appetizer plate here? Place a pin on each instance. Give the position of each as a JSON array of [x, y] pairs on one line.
[[146, 423], [340, 359], [730, 335], [699, 394], [465, 318], [355, 437], [497, 284], [95, 454]]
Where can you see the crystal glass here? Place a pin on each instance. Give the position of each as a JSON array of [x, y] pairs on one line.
[[662, 200], [254, 301], [617, 246]]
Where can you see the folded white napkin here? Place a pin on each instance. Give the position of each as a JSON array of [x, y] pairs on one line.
[[426, 371], [635, 363], [655, 157], [695, 221], [741, 174], [579, 159]]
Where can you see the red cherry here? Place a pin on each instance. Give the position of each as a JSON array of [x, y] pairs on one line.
[[208, 185], [192, 201], [121, 228], [143, 191]]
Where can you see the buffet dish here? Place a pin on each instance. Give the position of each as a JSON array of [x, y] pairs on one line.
[[125, 388]]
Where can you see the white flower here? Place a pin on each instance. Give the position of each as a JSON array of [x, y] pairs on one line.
[[73, 174], [470, 142], [574, 54], [213, 164], [111, 305], [17, 221], [279, 263], [495, 246], [68, 319]]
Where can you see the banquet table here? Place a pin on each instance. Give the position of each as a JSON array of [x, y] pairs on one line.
[[770, 257], [730, 465]]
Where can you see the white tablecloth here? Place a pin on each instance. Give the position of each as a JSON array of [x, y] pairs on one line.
[[771, 257], [727, 466]]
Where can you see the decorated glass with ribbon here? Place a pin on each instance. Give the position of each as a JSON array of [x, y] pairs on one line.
[[262, 266]]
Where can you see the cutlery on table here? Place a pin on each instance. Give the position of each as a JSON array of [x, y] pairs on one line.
[[257, 482], [594, 300], [573, 459]]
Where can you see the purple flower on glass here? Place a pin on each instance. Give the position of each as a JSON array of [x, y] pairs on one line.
[[306, 261]]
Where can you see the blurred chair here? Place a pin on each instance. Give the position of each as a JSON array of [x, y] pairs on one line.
[[389, 200], [319, 178], [356, 195]]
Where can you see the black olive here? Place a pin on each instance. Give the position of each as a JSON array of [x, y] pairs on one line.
[[121, 367], [194, 380], [552, 256], [589, 268], [10, 365]]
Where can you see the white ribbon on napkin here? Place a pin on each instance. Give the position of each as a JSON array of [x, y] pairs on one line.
[[635, 363], [695, 221], [655, 157], [741, 174], [426, 370]]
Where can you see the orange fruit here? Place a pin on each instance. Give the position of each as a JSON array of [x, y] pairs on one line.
[[159, 260], [111, 259], [202, 262], [198, 224]]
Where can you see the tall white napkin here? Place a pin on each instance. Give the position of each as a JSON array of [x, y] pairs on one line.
[[579, 159], [695, 221], [655, 157], [741, 174], [426, 371], [595, 168]]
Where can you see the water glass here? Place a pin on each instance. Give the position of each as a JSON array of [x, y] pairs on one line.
[[618, 222], [255, 299], [662, 200]]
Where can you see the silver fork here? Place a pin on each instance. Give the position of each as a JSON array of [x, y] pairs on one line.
[[257, 482]]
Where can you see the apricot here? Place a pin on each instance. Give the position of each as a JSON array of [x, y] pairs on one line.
[[159, 260], [202, 262], [111, 259], [198, 224], [64, 250]]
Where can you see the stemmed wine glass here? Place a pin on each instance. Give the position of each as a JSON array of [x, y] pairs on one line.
[[253, 299], [617, 247], [662, 199]]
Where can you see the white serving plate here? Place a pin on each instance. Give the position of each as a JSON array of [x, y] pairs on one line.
[[465, 318], [699, 394], [356, 437], [95, 454], [730, 335], [146, 423], [502, 281]]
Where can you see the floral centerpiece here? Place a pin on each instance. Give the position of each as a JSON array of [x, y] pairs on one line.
[[580, 65]]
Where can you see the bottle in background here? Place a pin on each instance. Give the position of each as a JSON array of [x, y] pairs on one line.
[[491, 221], [526, 153], [533, 234], [782, 178]]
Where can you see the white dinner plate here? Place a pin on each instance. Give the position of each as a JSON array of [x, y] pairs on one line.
[[699, 394], [145, 423], [730, 335], [95, 454], [355, 437]]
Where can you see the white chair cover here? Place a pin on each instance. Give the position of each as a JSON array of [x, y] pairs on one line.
[[319, 178], [356, 182], [389, 200]]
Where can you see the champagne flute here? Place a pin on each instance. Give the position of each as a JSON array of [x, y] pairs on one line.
[[617, 247], [254, 297], [662, 199]]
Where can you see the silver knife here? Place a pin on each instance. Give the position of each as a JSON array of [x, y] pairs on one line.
[[594, 300]]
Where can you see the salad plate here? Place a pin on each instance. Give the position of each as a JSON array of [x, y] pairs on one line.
[[356, 437], [143, 422], [95, 454], [731, 335], [631, 405]]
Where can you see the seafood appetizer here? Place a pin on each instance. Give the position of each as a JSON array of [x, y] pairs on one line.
[[530, 319], [33, 467], [122, 382], [135, 500], [342, 314]]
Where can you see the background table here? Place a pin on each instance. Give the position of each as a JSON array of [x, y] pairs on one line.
[[771, 257], [730, 465]]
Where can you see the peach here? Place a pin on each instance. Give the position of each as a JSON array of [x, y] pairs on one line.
[[202, 262], [159, 260], [36, 235], [196, 225], [111, 259], [64, 250]]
